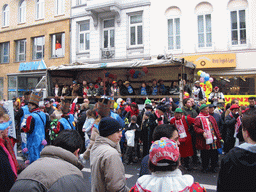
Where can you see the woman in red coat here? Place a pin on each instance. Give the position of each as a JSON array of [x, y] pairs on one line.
[[207, 138], [186, 148]]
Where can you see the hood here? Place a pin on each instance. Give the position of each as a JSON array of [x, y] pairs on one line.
[[60, 153], [105, 141], [248, 147]]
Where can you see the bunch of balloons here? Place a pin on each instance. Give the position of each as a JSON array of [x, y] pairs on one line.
[[204, 77], [136, 74]]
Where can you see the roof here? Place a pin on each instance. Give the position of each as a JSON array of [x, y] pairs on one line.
[[124, 64]]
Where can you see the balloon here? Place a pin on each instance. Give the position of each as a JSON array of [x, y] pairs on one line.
[[211, 79], [199, 72], [135, 76], [201, 79], [115, 105], [107, 74], [203, 74], [208, 83], [186, 94], [132, 71], [207, 77], [143, 73], [145, 69]]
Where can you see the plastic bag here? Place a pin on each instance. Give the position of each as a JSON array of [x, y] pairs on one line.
[[130, 136]]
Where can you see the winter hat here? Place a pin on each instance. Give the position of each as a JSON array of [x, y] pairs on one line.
[[147, 101], [203, 106], [178, 110], [147, 113], [5, 125], [161, 108], [164, 149], [109, 126], [148, 106], [234, 106], [134, 118]]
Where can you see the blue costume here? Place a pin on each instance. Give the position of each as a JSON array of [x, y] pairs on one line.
[[35, 128], [65, 123], [23, 120]]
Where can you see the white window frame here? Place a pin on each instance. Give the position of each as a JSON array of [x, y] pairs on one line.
[[108, 29], [18, 53], [36, 45], [238, 29], [22, 11], [39, 9], [204, 33], [86, 36], [174, 33], [2, 47], [56, 53], [6, 15], [81, 2], [136, 25], [59, 7]]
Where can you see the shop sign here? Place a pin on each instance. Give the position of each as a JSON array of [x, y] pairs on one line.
[[213, 60], [243, 99], [32, 66]]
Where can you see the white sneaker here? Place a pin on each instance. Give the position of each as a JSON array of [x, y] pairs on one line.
[[81, 158]]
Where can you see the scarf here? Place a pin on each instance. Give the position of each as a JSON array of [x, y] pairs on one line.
[[159, 116], [14, 169], [9, 144], [206, 127], [181, 129], [130, 90], [154, 92], [237, 125], [143, 91]]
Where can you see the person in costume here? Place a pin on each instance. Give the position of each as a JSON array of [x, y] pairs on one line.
[[207, 138], [163, 163], [215, 96], [182, 123], [198, 93], [67, 121], [36, 126]]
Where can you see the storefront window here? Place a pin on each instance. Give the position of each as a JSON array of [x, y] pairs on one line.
[[235, 85], [12, 87]]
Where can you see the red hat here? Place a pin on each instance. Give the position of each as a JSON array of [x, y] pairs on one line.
[[234, 106], [113, 82], [164, 149], [216, 87]]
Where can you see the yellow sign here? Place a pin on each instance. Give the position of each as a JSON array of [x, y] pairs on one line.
[[213, 60], [243, 99]]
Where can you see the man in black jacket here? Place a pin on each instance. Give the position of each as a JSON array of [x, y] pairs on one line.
[[238, 167]]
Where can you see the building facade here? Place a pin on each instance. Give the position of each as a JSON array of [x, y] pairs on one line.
[[34, 35]]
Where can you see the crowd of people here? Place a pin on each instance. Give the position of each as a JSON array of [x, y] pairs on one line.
[[58, 137]]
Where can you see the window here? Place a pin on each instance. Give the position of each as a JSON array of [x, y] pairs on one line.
[[60, 6], [1, 88], [58, 45], [136, 30], [4, 52], [38, 48], [238, 27], [21, 50], [6, 15], [39, 9], [174, 33], [109, 33], [12, 86], [84, 36], [81, 2], [22, 12], [204, 30]]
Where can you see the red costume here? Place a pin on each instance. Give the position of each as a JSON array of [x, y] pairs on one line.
[[186, 148]]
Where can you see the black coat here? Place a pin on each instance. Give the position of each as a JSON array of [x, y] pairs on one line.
[[237, 172]]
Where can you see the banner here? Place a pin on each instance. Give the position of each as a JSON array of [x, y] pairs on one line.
[[8, 105], [243, 99]]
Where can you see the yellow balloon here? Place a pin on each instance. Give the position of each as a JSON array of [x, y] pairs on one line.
[[115, 105], [208, 83], [199, 72]]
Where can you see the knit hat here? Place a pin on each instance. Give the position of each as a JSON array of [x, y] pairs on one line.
[[5, 125], [234, 106], [109, 126], [147, 101], [164, 149], [35, 98], [161, 108], [134, 118], [203, 106], [178, 110], [148, 106]]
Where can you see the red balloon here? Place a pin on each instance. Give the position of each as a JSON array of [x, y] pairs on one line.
[[132, 71], [145, 69]]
